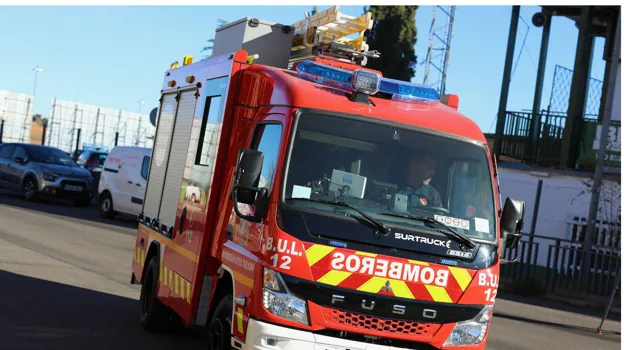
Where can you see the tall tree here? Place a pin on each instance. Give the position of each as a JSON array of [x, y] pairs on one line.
[[394, 36]]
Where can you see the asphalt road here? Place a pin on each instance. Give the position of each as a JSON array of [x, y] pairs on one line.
[[64, 284]]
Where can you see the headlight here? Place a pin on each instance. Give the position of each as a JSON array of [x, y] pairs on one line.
[[48, 175], [471, 332], [278, 301]]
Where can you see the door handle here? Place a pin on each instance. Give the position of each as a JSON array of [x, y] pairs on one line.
[[138, 184], [130, 182]]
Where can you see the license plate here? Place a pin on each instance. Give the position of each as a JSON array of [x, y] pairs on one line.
[[73, 188]]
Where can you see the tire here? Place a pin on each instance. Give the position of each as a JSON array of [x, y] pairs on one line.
[[106, 206], [29, 189], [155, 315], [221, 324]]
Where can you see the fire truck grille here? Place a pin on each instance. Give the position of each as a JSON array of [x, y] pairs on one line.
[[374, 324]]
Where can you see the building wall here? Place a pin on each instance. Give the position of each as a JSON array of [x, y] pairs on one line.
[[563, 198]]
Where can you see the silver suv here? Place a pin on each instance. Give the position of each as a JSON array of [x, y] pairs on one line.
[[44, 171]]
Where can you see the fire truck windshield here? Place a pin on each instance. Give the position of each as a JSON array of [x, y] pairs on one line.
[[380, 168]]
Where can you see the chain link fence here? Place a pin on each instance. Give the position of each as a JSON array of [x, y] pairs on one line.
[[560, 94]]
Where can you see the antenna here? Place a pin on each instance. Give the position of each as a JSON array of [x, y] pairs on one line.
[[439, 50]]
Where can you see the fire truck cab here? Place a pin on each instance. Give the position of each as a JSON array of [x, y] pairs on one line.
[[298, 200]]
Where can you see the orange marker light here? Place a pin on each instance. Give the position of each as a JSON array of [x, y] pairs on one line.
[[171, 83], [190, 79]]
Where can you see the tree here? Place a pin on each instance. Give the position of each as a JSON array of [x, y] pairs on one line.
[[208, 48], [313, 12], [394, 36]]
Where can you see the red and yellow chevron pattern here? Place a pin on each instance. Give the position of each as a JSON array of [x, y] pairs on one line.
[[404, 278]]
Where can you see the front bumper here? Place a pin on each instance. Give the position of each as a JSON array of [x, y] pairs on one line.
[[61, 188], [259, 334]]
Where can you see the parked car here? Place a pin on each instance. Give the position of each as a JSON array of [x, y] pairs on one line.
[[44, 171], [76, 153], [92, 160], [123, 179]]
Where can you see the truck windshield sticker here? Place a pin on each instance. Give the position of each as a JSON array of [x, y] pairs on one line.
[[482, 225], [301, 192], [453, 222]]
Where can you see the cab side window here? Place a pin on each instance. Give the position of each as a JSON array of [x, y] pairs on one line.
[[267, 139], [145, 167]]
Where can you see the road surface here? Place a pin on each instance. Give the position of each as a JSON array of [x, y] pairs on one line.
[[64, 284]]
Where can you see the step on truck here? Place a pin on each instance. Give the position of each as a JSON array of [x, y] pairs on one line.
[[297, 200]]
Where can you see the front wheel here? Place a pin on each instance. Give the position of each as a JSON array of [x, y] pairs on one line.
[[106, 206], [154, 314], [30, 189], [221, 324]]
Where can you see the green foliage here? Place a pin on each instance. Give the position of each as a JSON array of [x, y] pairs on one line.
[[394, 36], [313, 12]]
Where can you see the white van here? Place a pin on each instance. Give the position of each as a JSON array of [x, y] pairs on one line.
[[123, 181]]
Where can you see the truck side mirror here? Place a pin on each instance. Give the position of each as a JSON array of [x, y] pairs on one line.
[[512, 222], [246, 178]]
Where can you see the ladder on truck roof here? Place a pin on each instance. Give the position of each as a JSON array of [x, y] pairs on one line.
[[328, 32]]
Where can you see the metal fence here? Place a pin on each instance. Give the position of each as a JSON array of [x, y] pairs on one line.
[[72, 123], [562, 271], [15, 117], [560, 93], [550, 254]]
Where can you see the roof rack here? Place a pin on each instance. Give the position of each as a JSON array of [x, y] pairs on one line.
[[325, 34]]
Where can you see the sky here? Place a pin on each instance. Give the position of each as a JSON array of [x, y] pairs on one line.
[[115, 56]]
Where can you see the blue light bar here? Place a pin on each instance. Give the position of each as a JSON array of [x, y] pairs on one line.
[[408, 91], [325, 75], [342, 78]]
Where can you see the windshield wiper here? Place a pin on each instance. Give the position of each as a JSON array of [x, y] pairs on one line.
[[461, 238], [378, 226]]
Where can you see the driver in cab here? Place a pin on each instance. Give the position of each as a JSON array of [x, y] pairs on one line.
[[420, 170]]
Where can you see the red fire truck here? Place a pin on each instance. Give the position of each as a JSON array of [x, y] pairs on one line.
[[334, 208]]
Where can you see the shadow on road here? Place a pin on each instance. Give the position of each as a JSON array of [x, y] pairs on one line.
[[66, 209], [556, 305], [39, 314]]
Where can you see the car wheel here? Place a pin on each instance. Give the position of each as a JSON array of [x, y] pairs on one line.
[[30, 189], [106, 206]]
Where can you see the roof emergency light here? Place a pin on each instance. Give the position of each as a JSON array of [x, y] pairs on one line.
[[366, 82]]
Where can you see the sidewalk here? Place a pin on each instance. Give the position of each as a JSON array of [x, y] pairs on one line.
[[526, 323]]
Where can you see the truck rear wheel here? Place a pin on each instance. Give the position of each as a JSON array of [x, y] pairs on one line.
[[221, 324], [154, 314]]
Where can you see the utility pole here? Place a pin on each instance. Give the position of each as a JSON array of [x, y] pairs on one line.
[[598, 174]]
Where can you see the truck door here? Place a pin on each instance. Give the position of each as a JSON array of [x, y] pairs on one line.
[[196, 162]]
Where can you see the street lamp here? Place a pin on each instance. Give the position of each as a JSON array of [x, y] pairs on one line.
[[37, 69]]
